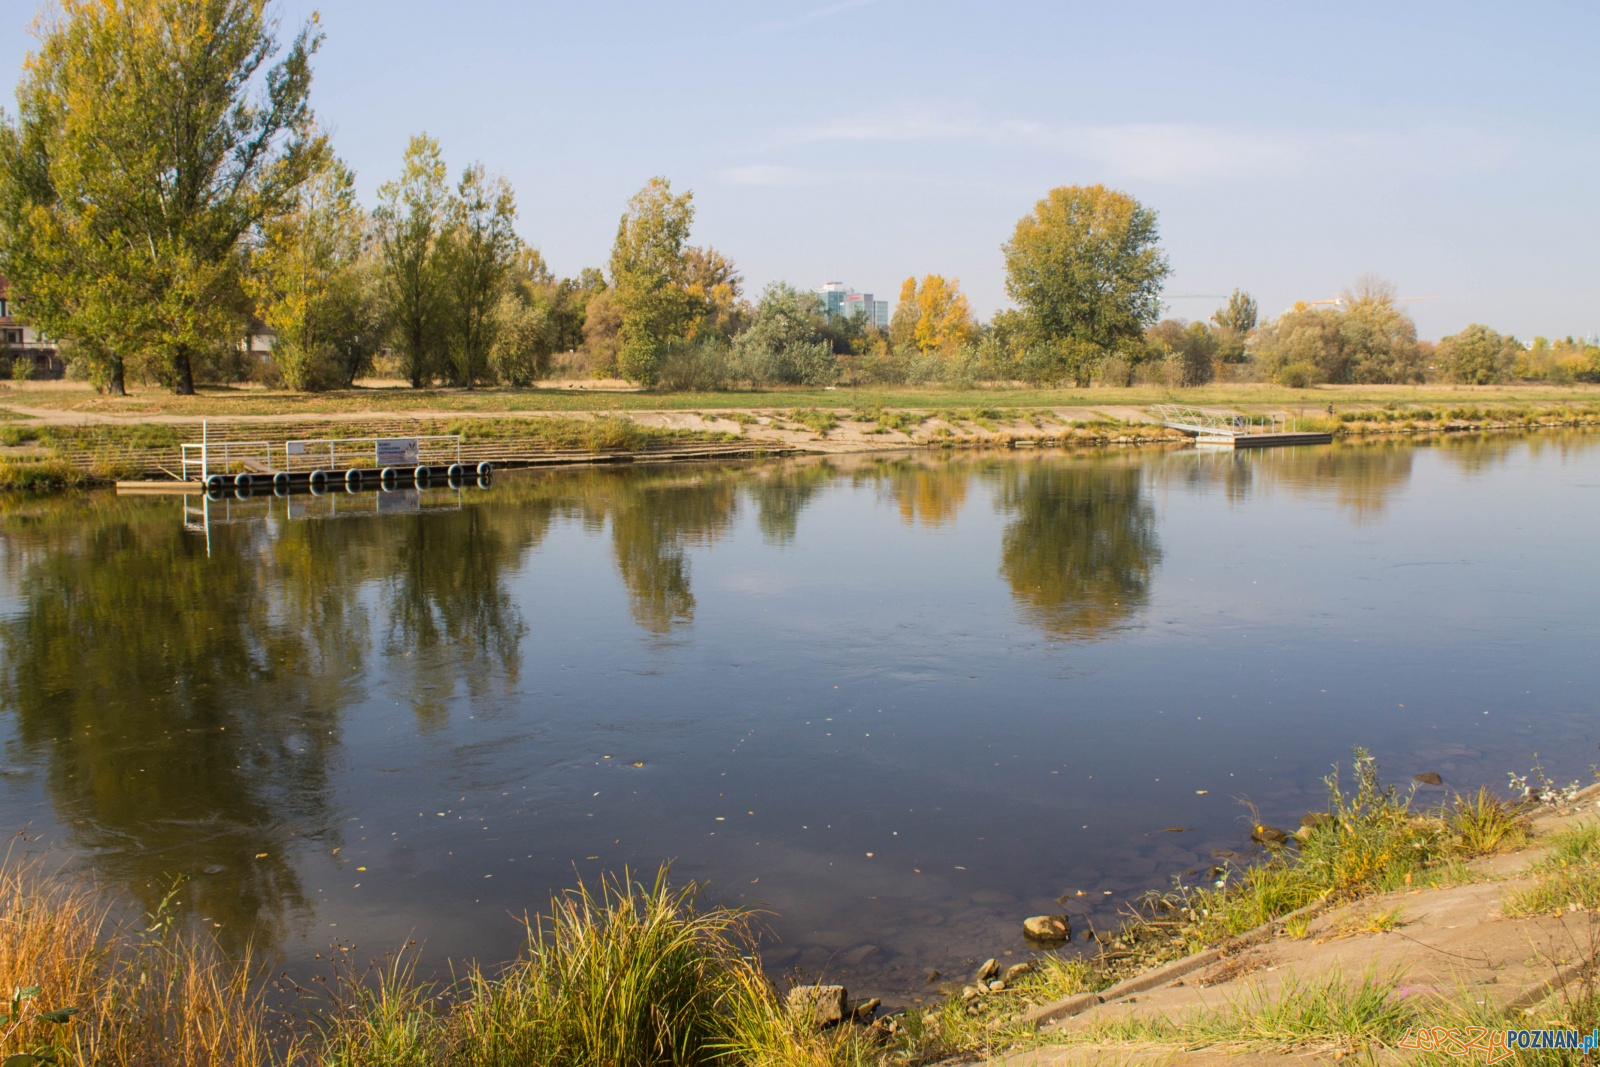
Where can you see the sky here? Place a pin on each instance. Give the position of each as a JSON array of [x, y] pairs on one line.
[[1451, 148]]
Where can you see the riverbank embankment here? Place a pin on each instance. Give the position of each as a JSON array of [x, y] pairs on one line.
[[1379, 928], [44, 447], [1425, 963], [1496, 945]]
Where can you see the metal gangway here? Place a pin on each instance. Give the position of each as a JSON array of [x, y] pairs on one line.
[[1205, 422], [201, 461]]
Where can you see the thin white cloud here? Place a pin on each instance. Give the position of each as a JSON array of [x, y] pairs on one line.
[[811, 16], [1171, 152], [777, 175], [760, 174]]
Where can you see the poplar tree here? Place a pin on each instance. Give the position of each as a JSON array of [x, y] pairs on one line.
[[307, 279], [479, 251], [648, 272], [411, 218], [152, 136]]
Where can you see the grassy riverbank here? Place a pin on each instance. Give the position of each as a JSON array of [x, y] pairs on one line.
[[223, 403], [51, 447], [630, 974]]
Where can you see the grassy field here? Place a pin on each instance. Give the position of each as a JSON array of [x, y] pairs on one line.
[[221, 403]]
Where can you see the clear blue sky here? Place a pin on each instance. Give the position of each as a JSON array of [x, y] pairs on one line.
[[1449, 147]]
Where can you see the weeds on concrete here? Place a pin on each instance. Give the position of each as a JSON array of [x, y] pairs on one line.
[[816, 420], [1568, 878], [886, 421], [1327, 1014], [1372, 838], [603, 433]]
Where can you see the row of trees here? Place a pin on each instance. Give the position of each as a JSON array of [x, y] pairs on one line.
[[165, 194], [1363, 337]]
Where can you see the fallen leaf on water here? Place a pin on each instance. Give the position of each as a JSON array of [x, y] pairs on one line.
[[1175, 830]]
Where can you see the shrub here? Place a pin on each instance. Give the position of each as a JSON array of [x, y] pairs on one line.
[[688, 366], [1298, 375]]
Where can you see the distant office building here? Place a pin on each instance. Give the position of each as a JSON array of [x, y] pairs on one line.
[[843, 301]]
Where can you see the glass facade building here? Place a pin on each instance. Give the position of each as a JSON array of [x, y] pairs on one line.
[[841, 300]]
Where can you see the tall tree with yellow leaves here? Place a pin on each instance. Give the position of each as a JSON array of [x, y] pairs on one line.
[[932, 316]]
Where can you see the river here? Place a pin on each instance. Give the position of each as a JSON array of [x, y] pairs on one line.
[[898, 702]]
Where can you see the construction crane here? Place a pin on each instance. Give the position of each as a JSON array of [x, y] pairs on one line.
[[1343, 301]]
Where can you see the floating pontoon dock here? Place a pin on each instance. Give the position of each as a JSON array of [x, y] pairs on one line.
[[218, 466], [1232, 430]]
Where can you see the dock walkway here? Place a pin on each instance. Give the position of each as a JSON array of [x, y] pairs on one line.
[[1230, 429]]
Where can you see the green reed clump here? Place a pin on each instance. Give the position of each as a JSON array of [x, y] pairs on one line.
[[40, 475], [1370, 839], [628, 975]]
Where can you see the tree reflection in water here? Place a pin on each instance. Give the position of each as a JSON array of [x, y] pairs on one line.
[[181, 707], [927, 491], [781, 491], [1081, 548], [185, 712]]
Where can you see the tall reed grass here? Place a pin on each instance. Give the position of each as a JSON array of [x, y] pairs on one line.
[[623, 975], [140, 994]]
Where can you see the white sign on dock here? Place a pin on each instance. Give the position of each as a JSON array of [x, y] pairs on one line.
[[398, 451]]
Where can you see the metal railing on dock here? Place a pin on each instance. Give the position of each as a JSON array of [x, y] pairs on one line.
[[1220, 423], [356, 453]]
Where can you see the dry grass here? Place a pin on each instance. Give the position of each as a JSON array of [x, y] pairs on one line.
[[143, 993]]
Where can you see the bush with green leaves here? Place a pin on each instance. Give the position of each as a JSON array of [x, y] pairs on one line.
[[785, 344]]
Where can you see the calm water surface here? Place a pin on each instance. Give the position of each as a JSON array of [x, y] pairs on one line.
[[900, 702]]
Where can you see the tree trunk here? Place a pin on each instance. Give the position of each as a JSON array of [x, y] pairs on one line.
[[118, 383], [185, 368]]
